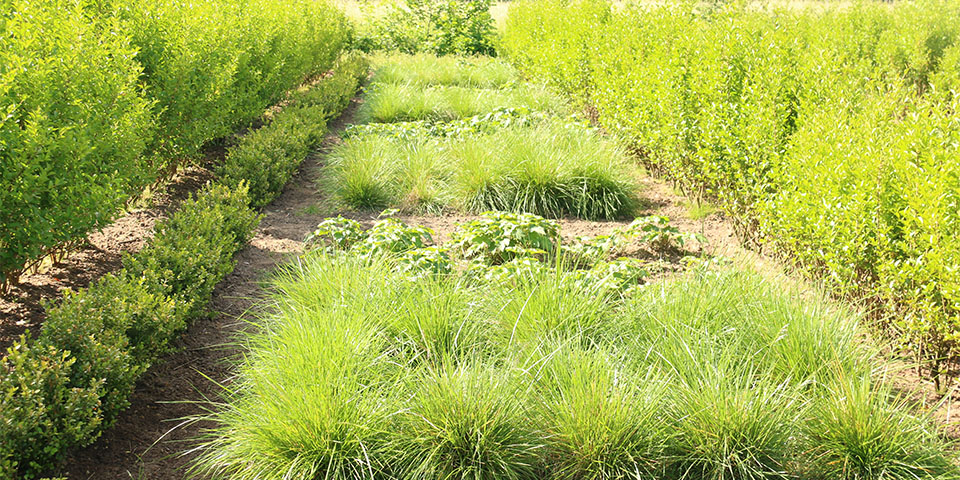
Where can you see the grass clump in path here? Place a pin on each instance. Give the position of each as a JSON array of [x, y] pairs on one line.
[[428, 70], [368, 369], [552, 169], [389, 103]]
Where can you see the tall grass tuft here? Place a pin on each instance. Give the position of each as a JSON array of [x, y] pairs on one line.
[[860, 429], [390, 102], [551, 169], [547, 306], [362, 173], [425, 70], [605, 421], [314, 400], [467, 421], [733, 425], [363, 372]]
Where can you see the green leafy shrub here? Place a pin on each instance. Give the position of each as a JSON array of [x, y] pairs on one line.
[[42, 413], [73, 126], [213, 66], [341, 233], [102, 97], [393, 236], [192, 251], [61, 390], [499, 237], [114, 331], [334, 92], [266, 158], [440, 27], [829, 135], [425, 261]]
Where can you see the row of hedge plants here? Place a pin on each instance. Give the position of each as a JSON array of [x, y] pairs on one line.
[[440, 27], [62, 389], [830, 133], [99, 99]]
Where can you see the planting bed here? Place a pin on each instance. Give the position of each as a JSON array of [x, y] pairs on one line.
[[475, 150], [459, 335], [502, 348], [505, 354]]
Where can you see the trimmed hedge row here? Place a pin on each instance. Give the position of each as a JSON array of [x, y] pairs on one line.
[[98, 98], [69, 385], [829, 133], [268, 157], [64, 388]]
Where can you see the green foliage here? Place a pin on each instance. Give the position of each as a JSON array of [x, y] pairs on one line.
[[552, 169], [440, 27], [451, 70], [467, 422], [499, 237], [483, 123], [333, 93], [408, 245], [193, 250], [829, 134], [360, 372], [425, 261], [73, 126], [341, 233], [61, 390], [213, 66], [102, 97], [113, 331], [620, 276], [42, 413], [390, 103], [267, 158], [393, 236]]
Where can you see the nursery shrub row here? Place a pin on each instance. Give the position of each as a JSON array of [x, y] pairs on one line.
[[830, 133], [441, 27], [266, 158], [64, 388], [100, 98], [69, 384]]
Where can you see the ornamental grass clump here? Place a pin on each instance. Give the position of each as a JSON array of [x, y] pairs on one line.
[[552, 169], [361, 370]]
